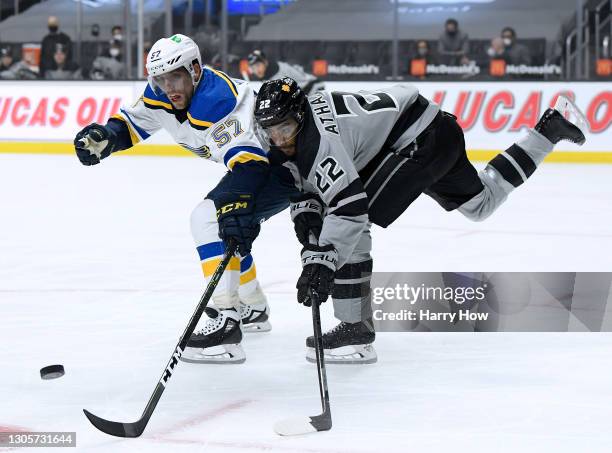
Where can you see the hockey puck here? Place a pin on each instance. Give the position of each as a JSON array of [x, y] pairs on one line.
[[52, 372]]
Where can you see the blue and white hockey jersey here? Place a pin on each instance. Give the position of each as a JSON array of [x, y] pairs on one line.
[[218, 125]]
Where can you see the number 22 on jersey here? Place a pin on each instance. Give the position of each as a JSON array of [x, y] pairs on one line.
[[328, 172]]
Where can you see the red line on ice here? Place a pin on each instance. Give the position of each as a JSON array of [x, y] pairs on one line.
[[202, 417], [160, 436], [12, 429]]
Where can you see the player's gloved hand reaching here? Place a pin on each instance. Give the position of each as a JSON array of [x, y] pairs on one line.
[[318, 270], [234, 214], [307, 215], [94, 143]]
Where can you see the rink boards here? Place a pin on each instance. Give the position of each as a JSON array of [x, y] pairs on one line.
[[43, 117]]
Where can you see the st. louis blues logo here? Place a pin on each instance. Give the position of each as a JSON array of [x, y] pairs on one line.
[[202, 151]]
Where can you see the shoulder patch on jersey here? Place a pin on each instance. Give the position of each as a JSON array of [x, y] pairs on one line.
[[154, 101], [214, 99]]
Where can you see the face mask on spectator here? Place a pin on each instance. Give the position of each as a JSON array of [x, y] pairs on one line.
[[118, 37], [53, 28], [451, 31], [114, 52], [507, 42], [422, 51]]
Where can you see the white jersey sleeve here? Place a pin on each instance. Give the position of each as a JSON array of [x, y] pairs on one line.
[[218, 125], [140, 119]]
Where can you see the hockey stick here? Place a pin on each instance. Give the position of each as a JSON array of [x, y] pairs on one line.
[[135, 429], [322, 422]]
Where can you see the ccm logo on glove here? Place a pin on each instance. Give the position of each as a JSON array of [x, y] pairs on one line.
[[232, 207]]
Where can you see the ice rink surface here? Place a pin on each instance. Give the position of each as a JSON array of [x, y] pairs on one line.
[[98, 272]]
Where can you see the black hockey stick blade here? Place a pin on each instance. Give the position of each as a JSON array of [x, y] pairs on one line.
[[116, 428], [296, 426], [137, 428]]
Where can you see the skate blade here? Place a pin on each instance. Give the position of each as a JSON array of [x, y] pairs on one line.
[[257, 327], [346, 355], [227, 354], [572, 113]]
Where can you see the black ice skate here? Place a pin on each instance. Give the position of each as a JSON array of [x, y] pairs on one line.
[[555, 127], [218, 341], [254, 317], [346, 343]]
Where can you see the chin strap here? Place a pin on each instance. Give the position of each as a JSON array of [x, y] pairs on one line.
[[193, 75]]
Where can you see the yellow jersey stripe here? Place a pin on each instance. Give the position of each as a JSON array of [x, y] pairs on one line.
[[133, 135], [245, 157], [198, 122], [224, 77], [156, 102], [210, 266], [248, 276]]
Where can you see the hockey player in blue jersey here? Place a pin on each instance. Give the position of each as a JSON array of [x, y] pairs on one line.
[[210, 114]]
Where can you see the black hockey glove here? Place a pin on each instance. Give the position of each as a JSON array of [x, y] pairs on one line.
[[318, 269], [235, 217], [307, 215], [94, 143]]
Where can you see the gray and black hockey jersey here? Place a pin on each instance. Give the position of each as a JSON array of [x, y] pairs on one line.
[[343, 133], [307, 82]]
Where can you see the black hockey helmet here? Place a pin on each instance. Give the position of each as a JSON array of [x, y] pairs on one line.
[[256, 56], [278, 100]]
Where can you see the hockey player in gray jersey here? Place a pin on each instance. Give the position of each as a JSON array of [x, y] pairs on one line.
[[363, 158], [263, 68]]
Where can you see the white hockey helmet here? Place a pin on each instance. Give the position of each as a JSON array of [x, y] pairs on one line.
[[168, 54]]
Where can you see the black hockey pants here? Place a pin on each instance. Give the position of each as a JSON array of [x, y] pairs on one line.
[[435, 163]]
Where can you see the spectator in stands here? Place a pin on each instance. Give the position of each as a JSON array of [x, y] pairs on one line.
[[64, 69], [14, 70], [421, 59], [109, 65], [497, 50], [49, 46], [117, 33], [6, 58], [263, 69], [423, 52], [453, 44], [514, 52]]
